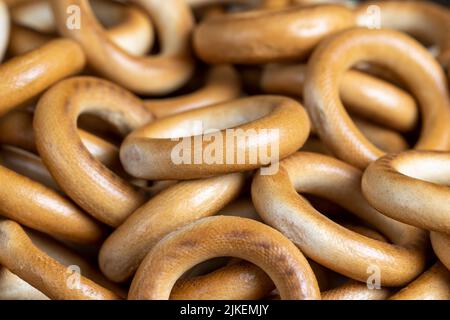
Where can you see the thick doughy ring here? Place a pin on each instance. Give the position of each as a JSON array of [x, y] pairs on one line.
[[128, 26], [222, 84], [420, 71], [89, 183], [434, 284], [363, 95], [411, 187], [220, 236], [427, 21], [147, 75], [268, 35], [171, 209], [331, 245], [268, 121], [34, 205], [26, 76], [23, 258], [14, 288]]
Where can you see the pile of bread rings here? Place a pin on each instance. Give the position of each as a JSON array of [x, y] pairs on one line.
[[95, 95]]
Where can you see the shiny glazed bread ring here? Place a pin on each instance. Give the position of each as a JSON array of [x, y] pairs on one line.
[[411, 187], [4, 28], [26, 76], [363, 95], [420, 71], [329, 244], [128, 26], [222, 84], [224, 236], [425, 20], [434, 284], [441, 246], [268, 35], [269, 121], [23, 258], [171, 209], [35, 206], [89, 183], [147, 75]]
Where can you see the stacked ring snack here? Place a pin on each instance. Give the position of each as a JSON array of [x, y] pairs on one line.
[[224, 150]]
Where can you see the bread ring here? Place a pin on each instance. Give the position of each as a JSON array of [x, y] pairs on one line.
[[421, 72], [252, 240], [239, 281], [222, 84], [14, 288], [269, 35], [173, 67], [23, 258], [354, 290], [4, 27], [361, 94], [245, 281], [385, 139], [28, 75], [434, 284], [425, 20], [148, 152], [27, 164], [411, 187], [35, 206], [128, 26], [171, 209], [276, 200], [441, 246], [91, 185]]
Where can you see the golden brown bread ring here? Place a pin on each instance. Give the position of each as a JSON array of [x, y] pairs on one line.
[[238, 281], [26, 76], [172, 67], [361, 94], [4, 28], [14, 288], [222, 84], [434, 284], [420, 71], [276, 200], [268, 36], [35, 206], [441, 246], [245, 281], [425, 20], [224, 236], [386, 139], [171, 209], [26, 164], [128, 26], [16, 129], [411, 187], [89, 183], [354, 290], [19, 255], [147, 152]]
